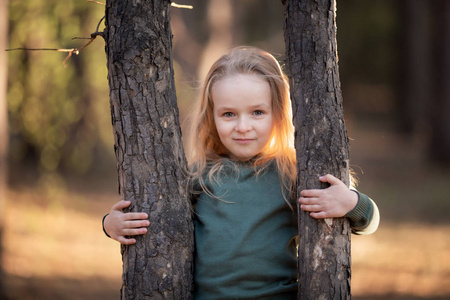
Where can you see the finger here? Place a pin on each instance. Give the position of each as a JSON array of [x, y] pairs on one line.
[[137, 224], [311, 208], [308, 200], [121, 205], [330, 179], [310, 193], [135, 231], [319, 215], [135, 216], [125, 241]]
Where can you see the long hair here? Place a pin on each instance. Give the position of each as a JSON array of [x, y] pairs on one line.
[[206, 153]]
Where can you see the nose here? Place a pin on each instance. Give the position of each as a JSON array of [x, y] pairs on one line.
[[243, 125]]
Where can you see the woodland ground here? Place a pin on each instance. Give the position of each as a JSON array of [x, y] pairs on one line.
[[54, 247]]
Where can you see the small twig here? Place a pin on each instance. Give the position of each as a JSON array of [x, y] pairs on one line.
[[181, 6], [43, 49], [172, 4], [70, 51], [96, 2], [98, 25]]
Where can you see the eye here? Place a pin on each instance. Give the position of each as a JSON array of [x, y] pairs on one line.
[[228, 114], [258, 112]]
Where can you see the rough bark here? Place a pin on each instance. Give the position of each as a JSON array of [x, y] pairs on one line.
[[321, 142], [150, 157]]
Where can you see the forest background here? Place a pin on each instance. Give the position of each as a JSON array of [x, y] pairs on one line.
[[394, 67]]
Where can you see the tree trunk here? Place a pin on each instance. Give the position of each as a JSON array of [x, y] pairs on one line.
[[321, 142], [4, 136], [150, 157]]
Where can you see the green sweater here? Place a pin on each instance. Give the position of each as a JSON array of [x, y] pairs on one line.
[[245, 246]]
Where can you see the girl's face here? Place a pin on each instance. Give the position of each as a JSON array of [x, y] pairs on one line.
[[243, 114]]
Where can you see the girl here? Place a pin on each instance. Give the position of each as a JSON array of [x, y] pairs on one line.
[[243, 174]]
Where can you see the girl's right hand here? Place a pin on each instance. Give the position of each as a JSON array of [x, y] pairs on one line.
[[119, 225]]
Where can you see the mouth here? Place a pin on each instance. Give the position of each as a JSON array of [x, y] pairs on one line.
[[243, 141]]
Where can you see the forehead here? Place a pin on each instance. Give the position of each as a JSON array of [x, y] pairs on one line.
[[241, 89], [240, 77]]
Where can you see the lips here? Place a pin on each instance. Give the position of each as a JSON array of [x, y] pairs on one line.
[[243, 141]]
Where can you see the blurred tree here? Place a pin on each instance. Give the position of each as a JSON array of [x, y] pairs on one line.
[[424, 101], [220, 15], [59, 119], [4, 139], [149, 149], [321, 143], [259, 23], [440, 121], [252, 22], [368, 38], [415, 66]]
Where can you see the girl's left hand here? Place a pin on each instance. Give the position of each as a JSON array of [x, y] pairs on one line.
[[333, 202]]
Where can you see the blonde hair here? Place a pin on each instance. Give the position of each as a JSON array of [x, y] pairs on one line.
[[206, 153]]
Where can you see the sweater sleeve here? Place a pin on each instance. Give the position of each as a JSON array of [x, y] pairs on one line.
[[103, 225], [365, 217]]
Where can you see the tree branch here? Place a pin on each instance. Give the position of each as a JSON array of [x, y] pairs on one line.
[[181, 6], [70, 51], [101, 3]]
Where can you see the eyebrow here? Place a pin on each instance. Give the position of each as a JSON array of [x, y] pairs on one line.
[[262, 105], [253, 107]]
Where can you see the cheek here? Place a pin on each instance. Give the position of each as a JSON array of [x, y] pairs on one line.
[[220, 129], [270, 127], [221, 126], [217, 125]]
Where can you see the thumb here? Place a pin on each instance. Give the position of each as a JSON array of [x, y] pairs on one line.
[[330, 179], [121, 205]]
